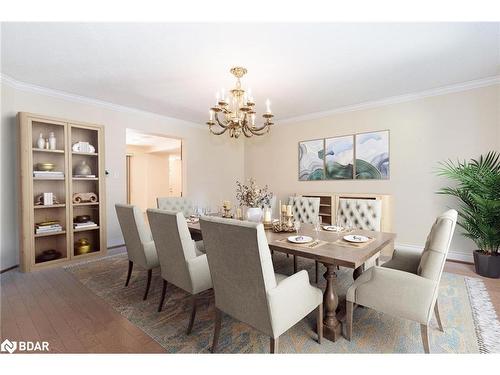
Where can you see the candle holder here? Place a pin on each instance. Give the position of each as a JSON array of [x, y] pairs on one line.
[[227, 213], [284, 224]]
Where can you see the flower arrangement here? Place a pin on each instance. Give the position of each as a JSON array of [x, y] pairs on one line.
[[251, 195]]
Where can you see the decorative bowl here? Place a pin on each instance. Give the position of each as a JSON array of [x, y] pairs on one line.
[[45, 166], [82, 246], [81, 219]]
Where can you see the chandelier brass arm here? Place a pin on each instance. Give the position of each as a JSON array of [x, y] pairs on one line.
[[238, 112]]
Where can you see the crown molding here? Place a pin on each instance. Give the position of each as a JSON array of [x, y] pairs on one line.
[[28, 87], [464, 86]]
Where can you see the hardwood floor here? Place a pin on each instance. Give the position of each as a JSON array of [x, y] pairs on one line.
[[51, 305]]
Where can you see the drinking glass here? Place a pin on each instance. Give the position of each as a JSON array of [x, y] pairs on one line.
[[296, 225], [317, 226]]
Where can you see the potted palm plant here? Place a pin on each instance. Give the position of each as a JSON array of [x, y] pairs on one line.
[[477, 187]]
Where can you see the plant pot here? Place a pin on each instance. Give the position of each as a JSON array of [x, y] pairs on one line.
[[487, 265], [254, 214]]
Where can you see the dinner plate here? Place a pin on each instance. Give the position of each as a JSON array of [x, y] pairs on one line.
[[356, 238], [332, 228], [300, 239]]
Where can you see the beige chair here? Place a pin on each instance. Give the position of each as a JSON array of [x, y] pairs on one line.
[[364, 214], [138, 240], [177, 204], [305, 210], [407, 286], [182, 261], [245, 285]]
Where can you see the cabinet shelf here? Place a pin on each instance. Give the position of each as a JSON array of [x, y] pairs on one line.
[[85, 153], [50, 234], [85, 178], [85, 229], [50, 206], [46, 150], [48, 179]]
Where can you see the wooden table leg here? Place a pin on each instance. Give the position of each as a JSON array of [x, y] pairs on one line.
[[332, 328]]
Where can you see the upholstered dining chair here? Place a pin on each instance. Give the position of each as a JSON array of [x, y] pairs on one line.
[[407, 286], [177, 204], [245, 285], [305, 210], [365, 214], [140, 246], [272, 203], [182, 261]]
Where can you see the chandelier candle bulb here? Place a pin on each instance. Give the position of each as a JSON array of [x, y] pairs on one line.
[[268, 106]]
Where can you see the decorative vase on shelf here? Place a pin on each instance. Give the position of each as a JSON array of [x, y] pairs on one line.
[[254, 214], [82, 169], [40, 142], [52, 141]]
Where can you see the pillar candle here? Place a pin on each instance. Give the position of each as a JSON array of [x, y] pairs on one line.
[[289, 210], [267, 216]]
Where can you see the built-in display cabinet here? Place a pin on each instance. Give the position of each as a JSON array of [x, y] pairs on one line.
[[62, 198]]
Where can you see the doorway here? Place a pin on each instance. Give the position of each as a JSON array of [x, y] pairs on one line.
[[154, 168]]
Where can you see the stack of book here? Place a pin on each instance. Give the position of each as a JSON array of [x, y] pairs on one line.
[[48, 227], [48, 174], [87, 224]]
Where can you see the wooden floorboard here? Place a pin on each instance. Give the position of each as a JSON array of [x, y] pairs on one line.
[[52, 305]]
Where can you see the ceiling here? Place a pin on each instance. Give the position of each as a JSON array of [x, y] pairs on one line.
[[175, 69], [152, 142]]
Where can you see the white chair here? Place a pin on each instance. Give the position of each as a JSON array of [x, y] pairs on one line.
[[365, 214], [245, 285], [182, 261], [176, 204], [407, 286], [305, 210], [138, 241]]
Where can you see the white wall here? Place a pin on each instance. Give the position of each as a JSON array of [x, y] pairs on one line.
[[211, 164], [422, 133]]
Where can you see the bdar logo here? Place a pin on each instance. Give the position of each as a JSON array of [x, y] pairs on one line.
[[8, 346]]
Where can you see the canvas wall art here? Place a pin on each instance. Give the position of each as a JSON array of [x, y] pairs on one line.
[[339, 157], [372, 155], [311, 160]]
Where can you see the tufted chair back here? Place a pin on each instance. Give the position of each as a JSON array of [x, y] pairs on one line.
[[271, 204], [305, 210], [437, 245], [176, 204], [364, 214], [241, 268]]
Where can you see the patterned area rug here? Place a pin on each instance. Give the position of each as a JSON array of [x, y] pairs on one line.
[[373, 332]]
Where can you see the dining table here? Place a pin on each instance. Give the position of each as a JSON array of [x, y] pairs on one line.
[[330, 249]]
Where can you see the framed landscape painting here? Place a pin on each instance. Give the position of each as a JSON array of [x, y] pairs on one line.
[[372, 155], [311, 160], [339, 158]]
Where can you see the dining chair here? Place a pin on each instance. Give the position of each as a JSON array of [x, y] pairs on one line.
[[270, 205], [305, 210], [177, 204], [182, 261], [245, 285], [140, 246], [364, 214], [407, 286]]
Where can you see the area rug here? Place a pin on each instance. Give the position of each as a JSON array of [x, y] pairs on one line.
[[373, 332]]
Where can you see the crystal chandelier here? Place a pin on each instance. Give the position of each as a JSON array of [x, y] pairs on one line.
[[237, 111]]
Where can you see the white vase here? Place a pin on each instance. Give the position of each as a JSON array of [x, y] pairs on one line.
[[254, 214], [40, 143], [52, 141]]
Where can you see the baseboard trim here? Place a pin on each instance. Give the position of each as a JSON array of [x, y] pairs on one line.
[[452, 255], [9, 268]]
